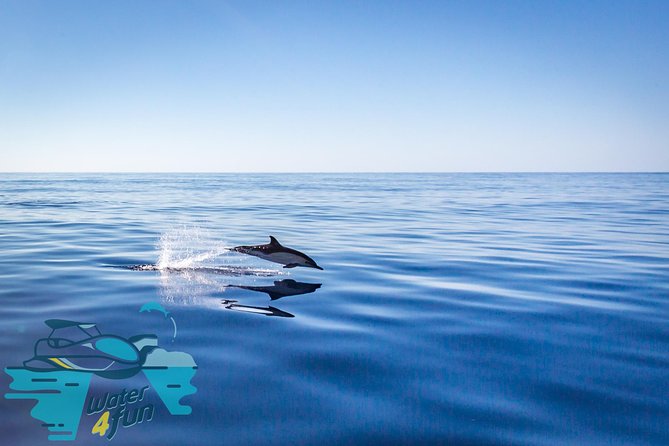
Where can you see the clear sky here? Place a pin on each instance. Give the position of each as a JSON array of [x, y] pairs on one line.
[[247, 86]]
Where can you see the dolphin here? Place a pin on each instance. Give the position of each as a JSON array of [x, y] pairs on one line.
[[282, 288], [267, 311], [151, 306], [154, 306], [277, 253]]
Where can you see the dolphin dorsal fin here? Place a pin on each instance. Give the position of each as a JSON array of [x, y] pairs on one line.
[[273, 241]]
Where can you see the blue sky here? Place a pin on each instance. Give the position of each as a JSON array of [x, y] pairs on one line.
[[334, 86]]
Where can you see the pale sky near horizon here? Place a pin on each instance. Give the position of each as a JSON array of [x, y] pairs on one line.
[[343, 86]]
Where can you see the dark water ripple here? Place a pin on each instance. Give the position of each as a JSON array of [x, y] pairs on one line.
[[506, 309]]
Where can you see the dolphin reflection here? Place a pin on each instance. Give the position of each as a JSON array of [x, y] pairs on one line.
[[196, 284], [282, 288]]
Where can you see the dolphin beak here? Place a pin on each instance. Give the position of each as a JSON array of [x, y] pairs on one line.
[[317, 267]]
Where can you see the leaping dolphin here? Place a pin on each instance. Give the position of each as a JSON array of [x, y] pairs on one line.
[[277, 253]]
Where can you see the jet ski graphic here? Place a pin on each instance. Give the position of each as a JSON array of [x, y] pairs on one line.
[[82, 347]]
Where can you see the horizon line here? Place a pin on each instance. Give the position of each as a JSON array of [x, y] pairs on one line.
[[123, 172]]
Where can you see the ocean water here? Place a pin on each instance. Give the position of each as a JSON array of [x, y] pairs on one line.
[[468, 309]]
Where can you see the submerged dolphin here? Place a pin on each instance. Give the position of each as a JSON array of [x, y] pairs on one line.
[[277, 253], [267, 311]]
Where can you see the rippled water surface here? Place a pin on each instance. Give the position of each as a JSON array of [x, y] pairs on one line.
[[518, 309]]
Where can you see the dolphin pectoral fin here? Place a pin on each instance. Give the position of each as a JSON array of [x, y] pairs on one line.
[[291, 265]]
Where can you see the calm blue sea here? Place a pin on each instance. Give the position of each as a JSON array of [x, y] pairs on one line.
[[467, 309]]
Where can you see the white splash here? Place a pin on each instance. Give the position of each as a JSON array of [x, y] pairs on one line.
[[196, 267], [188, 247]]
